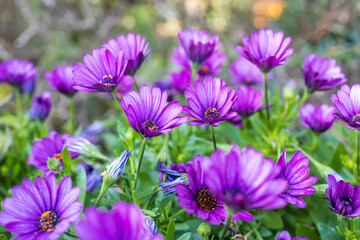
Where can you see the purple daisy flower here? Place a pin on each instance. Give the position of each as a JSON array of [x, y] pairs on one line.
[[245, 72], [318, 118], [134, 47], [41, 106], [179, 81], [344, 198], [102, 71], [285, 235], [266, 49], [198, 45], [48, 147], [249, 101], [197, 198], [321, 73], [209, 102], [173, 177], [296, 174], [124, 222], [148, 113], [347, 104], [41, 209], [61, 79], [93, 177], [255, 188], [19, 73]]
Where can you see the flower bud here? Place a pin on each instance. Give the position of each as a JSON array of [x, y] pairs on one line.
[[53, 164], [116, 168], [204, 230]]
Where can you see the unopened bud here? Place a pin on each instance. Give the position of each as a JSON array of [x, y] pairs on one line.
[[53, 164], [204, 230]]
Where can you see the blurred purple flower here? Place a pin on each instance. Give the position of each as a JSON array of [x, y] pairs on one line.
[[101, 73], [134, 47], [148, 113], [91, 132], [19, 73], [150, 225], [296, 175], [321, 73], [245, 72], [61, 79], [318, 118], [41, 106], [123, 222], [198, 45], [344, 198], [48, 147], [285, 235], [93, 178], [249, 101], [255, 188], [179, 81], [196, 197], [209, 102], [41, 209], [236, 121], [347, 104], [266, 49]]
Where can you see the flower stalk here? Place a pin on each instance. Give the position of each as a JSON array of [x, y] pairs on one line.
[[135, 83], [142, 150], [267, 102], [213, 136], [72, 114]]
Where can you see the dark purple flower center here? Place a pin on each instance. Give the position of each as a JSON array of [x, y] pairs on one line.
[[206, 200], [211, 114], [58, 156], [356, 118], [204, 70], [106, 80], [48, 221], [151, 125]]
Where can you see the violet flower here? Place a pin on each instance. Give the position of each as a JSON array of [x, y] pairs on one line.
[[102, 71], [244, 181], [123, 222], [93, 178], [245, 72], [173, 177], [41, 209], [179, 81], [61, 79], [347, 104], [148, 113], [249, 101], [266, 49], [321, 73], [41, 106], [285, 235], [209, 101], [134, 47], [318, 118], [295, 173], [344, 198]]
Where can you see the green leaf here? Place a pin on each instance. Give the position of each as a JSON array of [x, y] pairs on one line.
[[162, 208], [170, 230], [81, 182], [185, 236], [6, 93], [336, 159], [327, 232], [3, 237], [272, 220], [306, 231], [67, 161], [181, 227]]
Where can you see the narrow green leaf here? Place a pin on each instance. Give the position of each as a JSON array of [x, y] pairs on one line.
[[81, 182], [67, 161], [185, 236], [135, 198], [171, 230]]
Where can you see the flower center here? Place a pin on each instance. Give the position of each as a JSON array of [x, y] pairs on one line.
[[204, 69], [48, 221], [211, 113], [248, 79], [151, 125], [356, 118], [58, 156], [106, 80], [206, 200], [347, 202]]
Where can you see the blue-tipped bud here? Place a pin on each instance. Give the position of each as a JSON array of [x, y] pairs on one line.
[[117, 167], [150, 225], [83, 146]]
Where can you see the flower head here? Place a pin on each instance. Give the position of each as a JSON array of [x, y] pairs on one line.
[[321, 73], [148, 113], [48, 147], [102, 71], [19, 73], [318, 118], [266, 49], [209, 102], [91, 132], [41, 209], [40, 107], [249, 101], [179, 81], [344, 198], [150, 225], [285, 235], [245, 72], [197, 197], [61, 79], [347, 104], [244, 181], [123, 222], [296, 174], [134, 47], [198, 45], [117, 167], [173, 177]]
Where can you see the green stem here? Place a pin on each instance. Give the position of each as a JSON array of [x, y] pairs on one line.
[[256, 231], [226, 226], [178, 213], [358, 150], [195, 69], [152, 198], [72, 115], [142, 150], [315, 140], [267, 103], [135, 83], [18, 102], [71, 235], [102, 191], [213, 136], [352, 224]]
